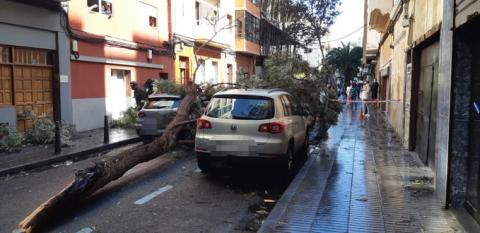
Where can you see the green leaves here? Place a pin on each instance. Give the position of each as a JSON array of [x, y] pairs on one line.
[[303, 82], [346, 59]]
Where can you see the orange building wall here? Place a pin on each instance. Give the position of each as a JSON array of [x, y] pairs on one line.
[[245, 60], [124, 22], [88, 79]]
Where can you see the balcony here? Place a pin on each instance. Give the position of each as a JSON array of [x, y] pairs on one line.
[[208, 21], [249, 5]]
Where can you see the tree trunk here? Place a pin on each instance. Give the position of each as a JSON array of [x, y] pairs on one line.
[[93, 178]]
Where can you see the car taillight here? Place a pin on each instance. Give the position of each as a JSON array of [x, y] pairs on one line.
[[140, 114], [273, 127], [203, 124]]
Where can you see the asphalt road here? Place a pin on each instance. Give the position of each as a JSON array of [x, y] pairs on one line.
[[167, 194]]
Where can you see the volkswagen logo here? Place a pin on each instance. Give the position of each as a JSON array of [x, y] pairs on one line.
[[233, 127]]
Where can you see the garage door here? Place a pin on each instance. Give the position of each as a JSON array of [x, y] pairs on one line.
[[26, 77], [427, 105]]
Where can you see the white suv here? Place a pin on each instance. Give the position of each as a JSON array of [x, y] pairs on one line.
[[250, 123]]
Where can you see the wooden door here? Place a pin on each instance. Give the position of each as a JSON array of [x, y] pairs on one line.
[[33, 93], [5, 85]]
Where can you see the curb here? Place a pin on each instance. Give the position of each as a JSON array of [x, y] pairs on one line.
[[270, 223], [75, 155]]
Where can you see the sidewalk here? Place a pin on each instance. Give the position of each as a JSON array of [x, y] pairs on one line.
[[84, 144], [361, 180]]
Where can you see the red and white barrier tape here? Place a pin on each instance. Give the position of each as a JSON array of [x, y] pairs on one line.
[[365, 101]]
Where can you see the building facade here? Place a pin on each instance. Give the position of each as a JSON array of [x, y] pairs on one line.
[[428, 59], [205, 28], [248, 16], [34, 63], [114, 43]]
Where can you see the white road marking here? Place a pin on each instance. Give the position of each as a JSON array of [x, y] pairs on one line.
[[152, 195]]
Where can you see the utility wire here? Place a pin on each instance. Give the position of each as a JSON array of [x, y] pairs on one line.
[[343, 37]]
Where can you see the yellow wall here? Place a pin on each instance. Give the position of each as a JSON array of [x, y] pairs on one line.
[[396, 113], [247, 5], [186, 52], [426, 16]]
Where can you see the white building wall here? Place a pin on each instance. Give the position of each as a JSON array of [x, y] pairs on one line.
[[186, 26]]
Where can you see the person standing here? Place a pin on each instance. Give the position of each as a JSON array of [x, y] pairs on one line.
[[365, 94], [354, 95], [139, 94], [347, 92]]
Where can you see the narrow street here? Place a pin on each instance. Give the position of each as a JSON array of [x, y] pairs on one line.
[[167, 194], [367, 183]]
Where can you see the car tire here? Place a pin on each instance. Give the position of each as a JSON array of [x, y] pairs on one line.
[[204, 164], [303, 153], [288, 162]]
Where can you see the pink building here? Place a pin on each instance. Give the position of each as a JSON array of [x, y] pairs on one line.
[[116, 42]]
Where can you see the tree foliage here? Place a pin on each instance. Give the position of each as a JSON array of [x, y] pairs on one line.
[[319, 16], [307, 85], [346, 59]]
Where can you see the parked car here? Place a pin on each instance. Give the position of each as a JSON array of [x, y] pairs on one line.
[[251, 123], [153, 118]]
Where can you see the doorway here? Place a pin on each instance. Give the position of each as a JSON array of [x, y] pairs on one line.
[[184, 71], [229, 73], [117, 100], [473, 160], [427, 105], [27, 77]]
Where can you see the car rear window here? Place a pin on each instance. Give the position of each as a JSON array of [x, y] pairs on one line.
[[240, 107], [159, 103]]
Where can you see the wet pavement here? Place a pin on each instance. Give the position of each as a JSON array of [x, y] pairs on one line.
[[361, 180]]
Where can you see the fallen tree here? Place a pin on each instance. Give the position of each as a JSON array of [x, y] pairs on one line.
[[93, 178]]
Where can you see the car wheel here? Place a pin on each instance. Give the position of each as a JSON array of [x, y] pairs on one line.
[[288, 163], [304, 150], [204, 165]]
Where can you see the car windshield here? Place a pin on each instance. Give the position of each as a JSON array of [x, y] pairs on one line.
[[159, 103], [241, 107]]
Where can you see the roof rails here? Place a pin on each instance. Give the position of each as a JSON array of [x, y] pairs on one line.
[[275, 89]]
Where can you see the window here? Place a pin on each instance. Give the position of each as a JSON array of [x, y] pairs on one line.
[[200, 78], [287, 107], [163, 76], [252, 28], [148, 15], [164, 102], [101, 6], [205, 14], [241, 107], [214, 78], [294, 107]]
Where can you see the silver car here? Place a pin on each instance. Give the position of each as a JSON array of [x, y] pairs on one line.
[[156, 114], [250, 123]]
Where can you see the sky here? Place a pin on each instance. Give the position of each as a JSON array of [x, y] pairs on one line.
[[349, 20]]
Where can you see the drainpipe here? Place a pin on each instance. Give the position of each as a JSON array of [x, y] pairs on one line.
[[57, 99]]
